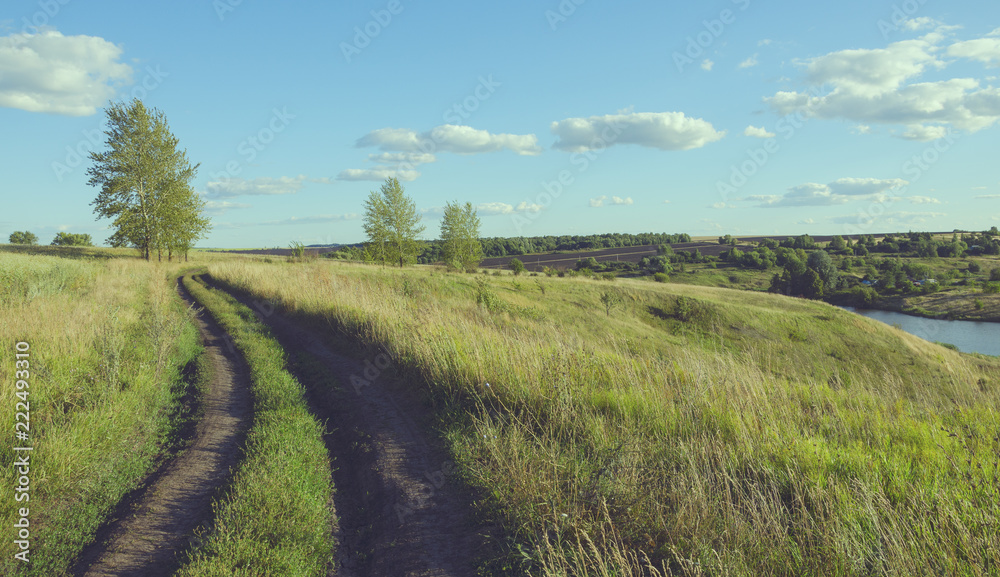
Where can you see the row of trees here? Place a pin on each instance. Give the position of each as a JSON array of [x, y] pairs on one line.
[[61, 239], [392, 225]]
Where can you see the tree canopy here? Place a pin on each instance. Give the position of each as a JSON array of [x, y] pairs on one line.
[[460, 236], [22, 237], [392, 224], [144, 183]]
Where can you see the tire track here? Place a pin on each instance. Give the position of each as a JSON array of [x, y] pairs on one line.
[[400, 512], [148, 534]]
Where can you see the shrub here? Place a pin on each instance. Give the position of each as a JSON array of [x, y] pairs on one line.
[[488, 298], [607, 276], [995, 275], [611, 300], [516, 265], [974, 267], [661, 277]]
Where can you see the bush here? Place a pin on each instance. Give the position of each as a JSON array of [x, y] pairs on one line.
[[995, 275], [516, 265], [69, 239], [607, 276], [661, 277], [23, 237], [611, 300], [974, 267]]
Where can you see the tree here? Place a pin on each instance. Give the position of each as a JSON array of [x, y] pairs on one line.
[[821, 262], [143, 180], [69, 239], [837, 243], [23, 237], [516, 265], [392, 224], [460, 236]]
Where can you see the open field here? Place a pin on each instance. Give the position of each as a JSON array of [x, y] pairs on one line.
[[619, 428]]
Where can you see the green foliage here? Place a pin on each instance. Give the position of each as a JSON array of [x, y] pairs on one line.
[[487, 298], [23, 237], [661, 277], [995, 274], [978, 304], [144, 183], [610, 300], [974, 267], [392, 224], [461, 247], [516, 265], [70, 239]]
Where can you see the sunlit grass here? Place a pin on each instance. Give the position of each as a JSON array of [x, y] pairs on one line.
[[714, 431]]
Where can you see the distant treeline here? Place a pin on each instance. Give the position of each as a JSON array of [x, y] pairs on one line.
[[515, 246]]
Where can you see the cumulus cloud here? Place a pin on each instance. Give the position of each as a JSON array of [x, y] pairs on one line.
[[221, 206], [663, 130], [707, 65], [612, 201], [56, 74], [879, 86], [840, 191], [597, 202], [749, 62], [403, 158], [922, 200], [232, 187], [525, 206], [449, 138], [757, 132], [377, 174]]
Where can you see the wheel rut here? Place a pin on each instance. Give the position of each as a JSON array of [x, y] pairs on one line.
[[401, 512], [150, 530]]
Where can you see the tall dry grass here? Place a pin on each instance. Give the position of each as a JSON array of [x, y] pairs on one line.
[[696, 430]]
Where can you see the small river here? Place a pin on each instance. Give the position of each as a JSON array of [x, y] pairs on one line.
[[968, 336]]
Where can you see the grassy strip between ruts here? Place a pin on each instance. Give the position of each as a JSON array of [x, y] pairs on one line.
[[276, 516]]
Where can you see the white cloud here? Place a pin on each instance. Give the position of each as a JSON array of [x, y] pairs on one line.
[[757, 132], [892, 217], [988, 196], [922, 200], [807, 221], [764, 42], [525, 206], [491, 208], [377, 174], [840, 191], [56, 74], [924, 133], [666, 202], [862, 129], [721, 205], [707, 65], [877, 86], [449, 138], [985, 50], [613, 201], [749, 62], [920, 23], [599, 201], [627, 201], [663, 130], [231, 187], [402, 158], [221, 206]]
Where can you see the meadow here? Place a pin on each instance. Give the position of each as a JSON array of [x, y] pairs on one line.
[[679, 429], [622, 427]]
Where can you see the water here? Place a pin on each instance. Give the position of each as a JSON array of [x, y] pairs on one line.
[[968, 336]]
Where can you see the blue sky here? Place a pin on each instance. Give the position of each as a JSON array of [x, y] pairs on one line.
[[571, 117]]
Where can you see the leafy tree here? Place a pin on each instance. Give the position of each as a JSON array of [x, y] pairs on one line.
[[23, 237], [837, 243], [392, 224], [821, 262], [995, 275], [516, 265], [141, 178], [812, 284], [974, 267], [460, 236], [69, 239]]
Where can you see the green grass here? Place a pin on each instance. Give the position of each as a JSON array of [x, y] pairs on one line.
[[110, 388], [712, 431], [276, 517]]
